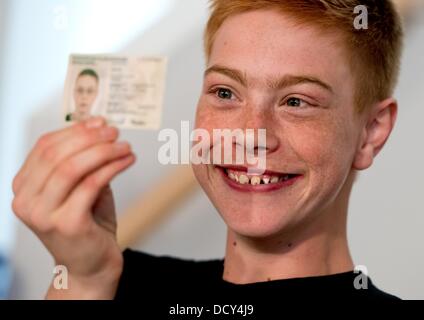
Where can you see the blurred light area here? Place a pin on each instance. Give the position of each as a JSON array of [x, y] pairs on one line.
[[37, 38], [5, 277]]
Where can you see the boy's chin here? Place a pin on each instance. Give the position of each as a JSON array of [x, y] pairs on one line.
[[259, 230]]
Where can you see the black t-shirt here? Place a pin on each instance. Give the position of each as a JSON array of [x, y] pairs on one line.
[[174, 280]]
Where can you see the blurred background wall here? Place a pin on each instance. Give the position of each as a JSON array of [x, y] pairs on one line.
[[386, 218]]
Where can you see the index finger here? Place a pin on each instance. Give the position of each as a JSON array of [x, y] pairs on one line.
[[49, 139]]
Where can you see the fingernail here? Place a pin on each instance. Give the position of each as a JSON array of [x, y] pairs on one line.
[[108, 132], [122, 145], [96, 122]]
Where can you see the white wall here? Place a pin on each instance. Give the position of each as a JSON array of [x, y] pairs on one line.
[[386, 217]]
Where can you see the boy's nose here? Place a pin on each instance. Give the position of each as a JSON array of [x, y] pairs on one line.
[[262, 124]]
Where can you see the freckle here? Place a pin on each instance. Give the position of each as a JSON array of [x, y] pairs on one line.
[[289, 245], [269, 279], [234, 243]]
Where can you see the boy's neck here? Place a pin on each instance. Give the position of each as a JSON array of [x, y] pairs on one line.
[[318, 247]]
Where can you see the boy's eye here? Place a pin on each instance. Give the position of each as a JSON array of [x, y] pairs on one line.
[[294, 102], [224, 93]]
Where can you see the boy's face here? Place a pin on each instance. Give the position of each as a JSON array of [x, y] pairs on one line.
[[85, 93], [299, 87]]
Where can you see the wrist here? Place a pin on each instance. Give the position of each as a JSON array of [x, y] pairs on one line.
[[99, 286]]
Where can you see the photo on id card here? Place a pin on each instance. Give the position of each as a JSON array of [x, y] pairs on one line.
[[127, 91]]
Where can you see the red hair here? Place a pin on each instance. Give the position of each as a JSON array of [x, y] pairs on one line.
[[374, 54]]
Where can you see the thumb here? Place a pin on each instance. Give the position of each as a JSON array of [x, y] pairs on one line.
[[104, 209]]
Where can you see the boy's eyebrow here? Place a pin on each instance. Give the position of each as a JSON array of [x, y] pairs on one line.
[[285, 81], [231, 73]]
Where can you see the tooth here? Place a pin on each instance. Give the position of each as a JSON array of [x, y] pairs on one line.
[[274, 179], [232, 176], [243, 179], [265, 180], [255, 180], [286, 177]]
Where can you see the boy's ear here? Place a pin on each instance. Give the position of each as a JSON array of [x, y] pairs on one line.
[[378, 126]]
